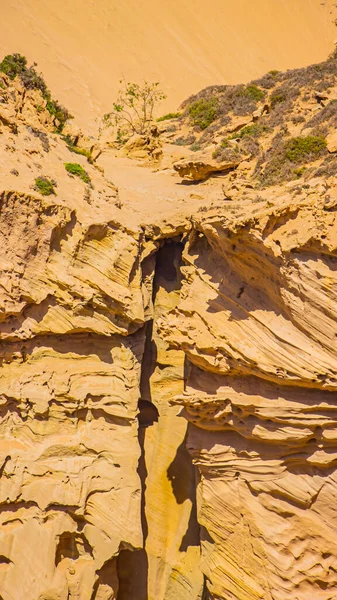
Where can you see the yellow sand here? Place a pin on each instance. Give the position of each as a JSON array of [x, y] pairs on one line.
[[85, 46]]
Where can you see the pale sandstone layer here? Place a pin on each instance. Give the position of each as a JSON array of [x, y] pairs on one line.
[[225, 312], [85, 48]]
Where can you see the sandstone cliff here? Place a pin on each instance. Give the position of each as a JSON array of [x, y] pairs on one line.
[[121, 308]]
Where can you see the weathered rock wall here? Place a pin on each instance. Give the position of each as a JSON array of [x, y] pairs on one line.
[[96, 500], [239, 334], [110, 326], [257, 322], [70, 494]]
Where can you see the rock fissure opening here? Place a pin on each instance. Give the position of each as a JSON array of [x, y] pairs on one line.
[[168, 487]]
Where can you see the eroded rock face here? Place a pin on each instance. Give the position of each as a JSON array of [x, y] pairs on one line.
[[91, 507], [110, 325], [70, 494], [257, 322]]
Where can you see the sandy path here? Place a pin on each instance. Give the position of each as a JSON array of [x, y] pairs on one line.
[[145, 192]]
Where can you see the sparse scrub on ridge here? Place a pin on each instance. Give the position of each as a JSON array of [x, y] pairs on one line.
[[300, 98], [78, 171], [247, 142], [277, 98], [15, 65], [327, 115], [169, 116], [285, 156], [226, 153], [44, 186], [185, 141], [215, 102], [59, 112], [133, 110]]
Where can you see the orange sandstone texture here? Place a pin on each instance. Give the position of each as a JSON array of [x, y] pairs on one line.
[[128, 297]]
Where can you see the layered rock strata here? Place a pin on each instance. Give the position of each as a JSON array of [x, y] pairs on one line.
[[257, 323], [111, 324]]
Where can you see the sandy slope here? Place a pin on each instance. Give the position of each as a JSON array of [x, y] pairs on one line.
[[84, 46]]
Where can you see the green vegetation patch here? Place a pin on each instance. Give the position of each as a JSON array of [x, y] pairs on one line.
[[299, 172], [253, 93], [44, 186], [78, 171], [286, 154], [73, 148], [277, 98], [169, 116], [253, 130], [81, 151], [303, 148], [15, 65], [203, 112], [59, 112]]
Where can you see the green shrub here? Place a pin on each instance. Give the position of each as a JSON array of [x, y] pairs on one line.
[[279, 164], [253, 93], [253, 130], [59, 112], [76, 169], [195, 147], [203, 112], [169, 116], [299, 172], [44, 186], [13, 65], [277, 99], [301, 148], [81, 151], [132, 112]]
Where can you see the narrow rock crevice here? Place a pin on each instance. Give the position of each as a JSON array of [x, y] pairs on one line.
[[160, 379]]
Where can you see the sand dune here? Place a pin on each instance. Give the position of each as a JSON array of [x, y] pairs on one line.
[[84, 46]]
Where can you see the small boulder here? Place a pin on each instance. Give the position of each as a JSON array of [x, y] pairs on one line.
[[331, 141], [199, 170], [143, 146]]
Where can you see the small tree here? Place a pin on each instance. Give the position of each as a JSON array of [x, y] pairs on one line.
[[134, 107]]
